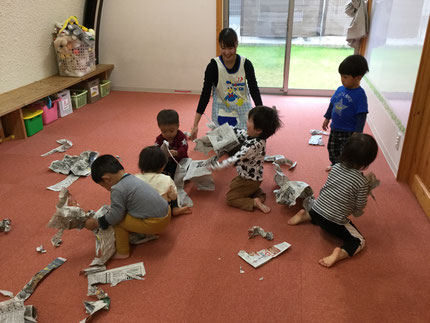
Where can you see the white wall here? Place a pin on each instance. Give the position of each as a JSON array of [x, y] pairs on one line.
[[26, 51], [384, 128], [158, 46]]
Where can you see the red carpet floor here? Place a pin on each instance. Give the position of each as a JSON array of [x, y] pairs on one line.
[[193, 269]]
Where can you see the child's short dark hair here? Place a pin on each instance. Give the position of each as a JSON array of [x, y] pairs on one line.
[[167, 117], [359, 151], [152, 159], [354, 65], [104, 164], [265, 119], [228, 38]]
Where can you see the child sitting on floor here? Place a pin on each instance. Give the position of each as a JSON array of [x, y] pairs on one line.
[[168, 122], [245, 192], [344, 193], [135, 205], [152, 161]]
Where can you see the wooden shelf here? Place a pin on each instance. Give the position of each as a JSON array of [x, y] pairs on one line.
[[11, 102]]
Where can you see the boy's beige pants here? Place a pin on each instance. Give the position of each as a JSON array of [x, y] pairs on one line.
[[242, 193], [132, 224]]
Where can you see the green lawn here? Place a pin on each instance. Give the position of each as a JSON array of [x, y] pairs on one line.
[[311, 67]]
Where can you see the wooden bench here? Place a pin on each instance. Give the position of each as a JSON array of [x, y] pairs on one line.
[[11, 121]]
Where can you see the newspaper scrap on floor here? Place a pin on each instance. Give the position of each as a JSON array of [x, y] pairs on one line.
[[116, 275], [5, 225], [183, 198], [40, 249], [318, 132], [73, 165], [29, 288], [258, 258], [68, 216], [91, 307], [14, 311], [280, 160], [290, 191], [199, 173], [65, 144], [257, 230], [69, 180], [316, 140], [105, 240], [223, 139]]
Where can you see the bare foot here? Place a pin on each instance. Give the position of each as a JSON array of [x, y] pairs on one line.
[[299, 217], [120, 256], [328, 168], [259, 205], [338, 254], [181, 210]]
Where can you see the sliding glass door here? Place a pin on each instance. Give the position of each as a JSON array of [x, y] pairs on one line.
[[295, 45]]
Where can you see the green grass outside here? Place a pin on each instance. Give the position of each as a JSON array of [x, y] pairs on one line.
[[311, 67]]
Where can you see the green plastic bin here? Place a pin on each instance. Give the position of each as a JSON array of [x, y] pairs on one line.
[[104, 87], [79, 98], [32, 120]]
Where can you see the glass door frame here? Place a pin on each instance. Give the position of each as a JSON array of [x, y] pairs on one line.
[[288, 44]]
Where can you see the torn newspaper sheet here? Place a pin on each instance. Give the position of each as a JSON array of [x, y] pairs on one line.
[[280, 160], [68, 216], [223, 139], [201, 176], [257, 230], [203, 145], [29, 288], [139, 238], [65, 144], [72, 166], [77, 165], [14, 311], [105, 240], [318, 132], [116, 275], [5, 225], [91, 307], [69, 180], [290, 191], [258, 258], [316, 140], [183, 198], [40, 249]]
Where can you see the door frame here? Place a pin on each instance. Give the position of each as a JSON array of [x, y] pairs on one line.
[[222, 21], [418, 132]]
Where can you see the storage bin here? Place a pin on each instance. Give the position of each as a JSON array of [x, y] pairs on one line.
[[104, 88], [50, 114], [32, 120], [79, 98], [92, 87], [64, 103]]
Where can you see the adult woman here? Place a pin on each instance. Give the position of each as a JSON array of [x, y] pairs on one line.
[[232, 79]]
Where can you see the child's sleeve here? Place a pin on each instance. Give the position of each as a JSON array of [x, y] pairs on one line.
[[159, 141], [183, 145], [117, 208], [172, 193], [329, 111], [361, 120], [361, 200]]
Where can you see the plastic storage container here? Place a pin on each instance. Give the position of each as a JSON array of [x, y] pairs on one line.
[[104, 88], [50, 114], [79, 98], [32, 120], [64, 103]]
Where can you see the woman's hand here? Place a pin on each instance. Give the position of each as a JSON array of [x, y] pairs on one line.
[[91, 224], [194, 131]]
